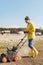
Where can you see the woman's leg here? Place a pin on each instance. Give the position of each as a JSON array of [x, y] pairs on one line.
[[30, 43], [34, 52]]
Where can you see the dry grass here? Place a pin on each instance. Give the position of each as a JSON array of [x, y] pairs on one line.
[[9, 40]]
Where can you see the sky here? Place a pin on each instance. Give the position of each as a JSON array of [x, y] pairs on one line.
[[13, 12]]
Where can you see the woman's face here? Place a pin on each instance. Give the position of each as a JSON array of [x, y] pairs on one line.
[[27, 21]]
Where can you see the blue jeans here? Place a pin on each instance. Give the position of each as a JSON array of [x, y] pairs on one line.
[[30, 43]]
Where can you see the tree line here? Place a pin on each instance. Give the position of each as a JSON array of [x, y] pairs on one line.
[[14, 30]]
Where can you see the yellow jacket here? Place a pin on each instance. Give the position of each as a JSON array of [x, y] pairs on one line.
[[31, 30]]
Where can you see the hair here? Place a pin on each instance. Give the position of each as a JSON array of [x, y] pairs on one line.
[[27, 18]]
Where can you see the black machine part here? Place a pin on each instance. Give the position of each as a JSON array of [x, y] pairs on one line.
[[3, 55]]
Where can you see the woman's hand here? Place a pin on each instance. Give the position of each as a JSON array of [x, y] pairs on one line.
[[25, 31]]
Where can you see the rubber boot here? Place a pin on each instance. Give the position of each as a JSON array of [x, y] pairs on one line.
[[36, 52], [32, 53]]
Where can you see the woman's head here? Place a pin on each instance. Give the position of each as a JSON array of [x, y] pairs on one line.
[[27, 19]]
